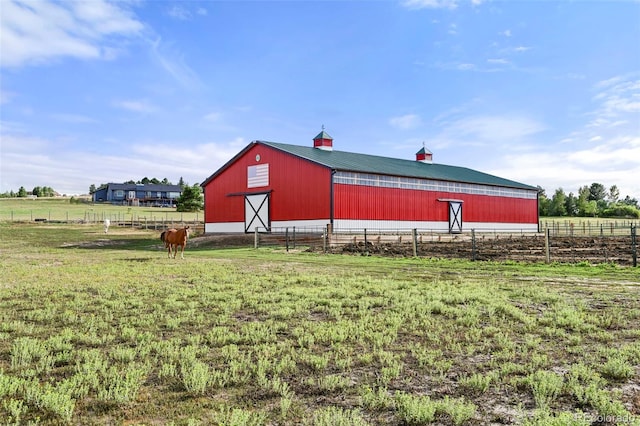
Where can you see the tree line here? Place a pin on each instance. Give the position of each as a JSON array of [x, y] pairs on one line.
[[593, 200], [144, 181], [38, 191]]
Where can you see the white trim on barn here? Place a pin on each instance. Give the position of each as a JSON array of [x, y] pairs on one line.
[[437, 226], [224, 227]]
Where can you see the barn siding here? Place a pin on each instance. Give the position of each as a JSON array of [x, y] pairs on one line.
[[392, 204], [299, 189]]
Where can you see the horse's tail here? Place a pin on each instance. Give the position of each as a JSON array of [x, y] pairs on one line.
[[162, 236]]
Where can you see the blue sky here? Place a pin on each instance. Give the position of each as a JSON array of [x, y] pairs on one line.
[[542, 92]]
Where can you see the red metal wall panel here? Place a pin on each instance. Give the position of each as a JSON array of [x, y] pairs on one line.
[[300, 190], [376, 203]]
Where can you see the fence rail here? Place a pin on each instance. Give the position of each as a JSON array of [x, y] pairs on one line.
[[614, 247]]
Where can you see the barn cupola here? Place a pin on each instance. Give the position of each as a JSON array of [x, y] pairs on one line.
[[424, 156], [323, 141]]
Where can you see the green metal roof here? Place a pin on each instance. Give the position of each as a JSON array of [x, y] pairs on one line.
[[363, 163], [323, 135]]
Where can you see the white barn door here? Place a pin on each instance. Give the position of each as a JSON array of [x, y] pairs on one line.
[[455, 217], [256, 212]]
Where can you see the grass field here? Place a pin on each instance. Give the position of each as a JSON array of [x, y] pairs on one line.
[[104, 329], [61, 209]]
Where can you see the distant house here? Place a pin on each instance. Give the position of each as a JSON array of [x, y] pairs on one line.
[[155, 195]]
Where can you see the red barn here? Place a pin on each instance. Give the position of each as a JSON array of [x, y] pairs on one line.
[[271, 185]]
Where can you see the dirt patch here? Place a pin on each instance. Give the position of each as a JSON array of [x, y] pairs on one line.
[[528, 249], [222, 240]]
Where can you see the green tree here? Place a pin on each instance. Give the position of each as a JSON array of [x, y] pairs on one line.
[[597, 192], [191, 199], [590, 208], [571, 205], [614, 194], [181, 182], [37, 191], [543, 202], [631, 202], [92, 188], [557, 206], [22, 192]]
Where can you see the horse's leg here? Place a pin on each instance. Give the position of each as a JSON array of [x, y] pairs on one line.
[[182, 251]]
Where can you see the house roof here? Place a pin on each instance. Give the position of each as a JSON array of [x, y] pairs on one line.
[[364, 163], [143, 187]]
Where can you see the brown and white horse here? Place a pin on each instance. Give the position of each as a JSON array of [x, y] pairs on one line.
[[173, 238]]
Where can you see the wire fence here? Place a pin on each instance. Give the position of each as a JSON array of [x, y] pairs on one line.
[[618, 245]]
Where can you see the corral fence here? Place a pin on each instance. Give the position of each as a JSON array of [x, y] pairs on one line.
[[617, 245], [593, 228], [157, 222]]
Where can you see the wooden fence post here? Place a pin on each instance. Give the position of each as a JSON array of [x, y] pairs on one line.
[[634, 248], [255, 238], [325, 237], [415, 242], [546, 246], [286, 238], [473, 245], [366, 247]]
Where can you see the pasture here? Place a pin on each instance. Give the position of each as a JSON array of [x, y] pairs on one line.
[[104, 329], [59, 209]]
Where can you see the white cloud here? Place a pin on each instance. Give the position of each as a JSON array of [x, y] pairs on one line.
[[492, 129], [173, 62], [33, 32], [179, 12], [430, 4], [72, 172], [604, 149], [213, 116], [141, 106], [5, 97], [506, 33], [618, 103], [405, 122], [73, 118]]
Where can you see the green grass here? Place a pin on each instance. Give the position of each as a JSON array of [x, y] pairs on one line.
[[104, 329], [61, 209]]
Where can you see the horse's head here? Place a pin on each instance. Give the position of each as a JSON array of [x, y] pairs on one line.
[[187, 231]]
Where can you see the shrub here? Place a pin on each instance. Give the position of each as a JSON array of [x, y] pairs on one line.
[[546, 386]]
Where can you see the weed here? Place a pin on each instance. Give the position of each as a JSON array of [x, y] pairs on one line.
[[415, 410], [477, 382], [195, 375], [546, 387], [376, 400], [457, 409], [334, 416]]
